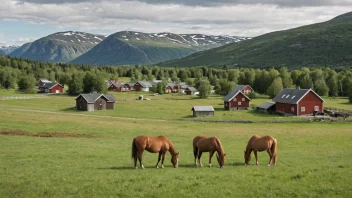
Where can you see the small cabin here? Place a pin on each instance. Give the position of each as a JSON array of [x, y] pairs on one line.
[[142, 86], [203, 111], [298, 102], [246, 89], [53, 88], [267, 107], [95, 101], [191, 91], [236, 100], [118, 87]]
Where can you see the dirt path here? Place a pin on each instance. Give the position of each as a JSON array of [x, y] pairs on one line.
[[79, 114]]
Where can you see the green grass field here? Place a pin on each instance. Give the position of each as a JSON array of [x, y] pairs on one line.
[[314, 159]]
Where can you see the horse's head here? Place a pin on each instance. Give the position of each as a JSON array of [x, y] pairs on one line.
[[174, 159], [247, 158], [221, 160]]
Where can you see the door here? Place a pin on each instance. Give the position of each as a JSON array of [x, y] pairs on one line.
[[316, 108], [57, 91]]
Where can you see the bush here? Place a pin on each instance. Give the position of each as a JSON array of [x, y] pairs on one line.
[[252, 95]]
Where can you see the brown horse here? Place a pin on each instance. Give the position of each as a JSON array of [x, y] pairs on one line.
[[208, 144], [261, 143], [159, 144]]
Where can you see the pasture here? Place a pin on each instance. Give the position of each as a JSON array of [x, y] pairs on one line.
[[91, 157]]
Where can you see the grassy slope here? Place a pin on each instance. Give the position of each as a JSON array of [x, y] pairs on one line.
[[323, 44], [314, 160]]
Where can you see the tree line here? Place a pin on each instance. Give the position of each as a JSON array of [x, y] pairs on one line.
[[23, 74]]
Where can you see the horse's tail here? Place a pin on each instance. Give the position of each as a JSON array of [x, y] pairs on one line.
[[134, 149], [273, 150]]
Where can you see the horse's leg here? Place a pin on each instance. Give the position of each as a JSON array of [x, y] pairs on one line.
[[195, 152], [140, 158], [271, 156], [162, 161], [199, 156], [211, 153], [256, 157], [135, 161], [158, 160]]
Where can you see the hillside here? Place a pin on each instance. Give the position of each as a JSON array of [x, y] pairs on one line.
[[8, 48], [2, 52], [61, 46], [127, 47], [19, 51], [322, 44]]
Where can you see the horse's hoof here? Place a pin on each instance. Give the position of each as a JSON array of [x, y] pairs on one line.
[[157, 166], [201, 165], [268, 164], [136, 167], [142, 167], [209, 165], [162, 166]]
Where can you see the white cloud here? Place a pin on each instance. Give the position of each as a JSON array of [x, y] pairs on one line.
[[112, 16]]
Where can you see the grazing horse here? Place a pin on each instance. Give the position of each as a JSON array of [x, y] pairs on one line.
[[261, 143], [159, 144], [209, 144]]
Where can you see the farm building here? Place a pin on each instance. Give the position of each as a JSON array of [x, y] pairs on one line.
[[236, 100], [267, 107], [191, 91], [154, 83], [298, 102], [174, 87], [130, 85], [95, 101], [203, 111], [142, 86], [118, 87], [43, 81], [51, 88], [246, 89]]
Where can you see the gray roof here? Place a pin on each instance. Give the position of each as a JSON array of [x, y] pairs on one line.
[[118, 84], [131, 84], [202, 108], [191, 89], [110, 97], [144, 84], [92, 97], [241, 87], [232, 94], [266, 105], [44, 80], [50, 85], [292, 96]]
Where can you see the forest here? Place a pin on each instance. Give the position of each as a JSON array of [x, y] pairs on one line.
[[21, 74]]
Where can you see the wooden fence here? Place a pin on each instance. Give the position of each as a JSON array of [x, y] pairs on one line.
[[21, 97]]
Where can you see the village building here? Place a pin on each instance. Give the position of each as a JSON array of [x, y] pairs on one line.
[[53, 88], [118, 87], [142, 86], [267, 107], [203, 111], [95, 101], [246, 89], [191, 91], [236, 100], [43, 81], [176, 87], [130, 85], [298, 102]]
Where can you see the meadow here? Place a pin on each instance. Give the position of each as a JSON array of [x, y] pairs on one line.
[[313, 158]]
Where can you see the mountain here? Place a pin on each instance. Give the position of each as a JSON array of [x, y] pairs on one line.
[[2, 52], [19, 51], [127, 47], [61, 46], [8, 48], [322, 44]]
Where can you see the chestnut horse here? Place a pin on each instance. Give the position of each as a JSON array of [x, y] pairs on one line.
[[208, 144], [159, 144], [261, 143]]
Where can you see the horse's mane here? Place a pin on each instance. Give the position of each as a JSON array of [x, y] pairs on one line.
[[220, 146], [171, 147]]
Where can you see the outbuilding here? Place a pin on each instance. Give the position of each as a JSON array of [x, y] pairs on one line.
[[191, 91], [95, 101], [236, 100], [267, 107], [142, 86], [203, 111], [53, 88], [298, 102], [246, 89], [118, 87]]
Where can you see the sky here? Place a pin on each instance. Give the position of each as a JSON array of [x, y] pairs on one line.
[[23, 21]]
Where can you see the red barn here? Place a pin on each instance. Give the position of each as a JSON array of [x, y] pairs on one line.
[[51, 88], [298, 102], [246, 89], [236, 100], [118, 87]]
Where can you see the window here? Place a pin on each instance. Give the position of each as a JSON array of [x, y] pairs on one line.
[[234, 99], [287, 96], [292, 109], [283, 96], [303, 109], [239, 103], [243, 99], [293, 97], [316, 108]]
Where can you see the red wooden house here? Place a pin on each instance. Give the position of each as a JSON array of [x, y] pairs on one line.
[[236, 100], [142, 86], [51, 88], [298, 102], [246, 89], [118, 87]]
